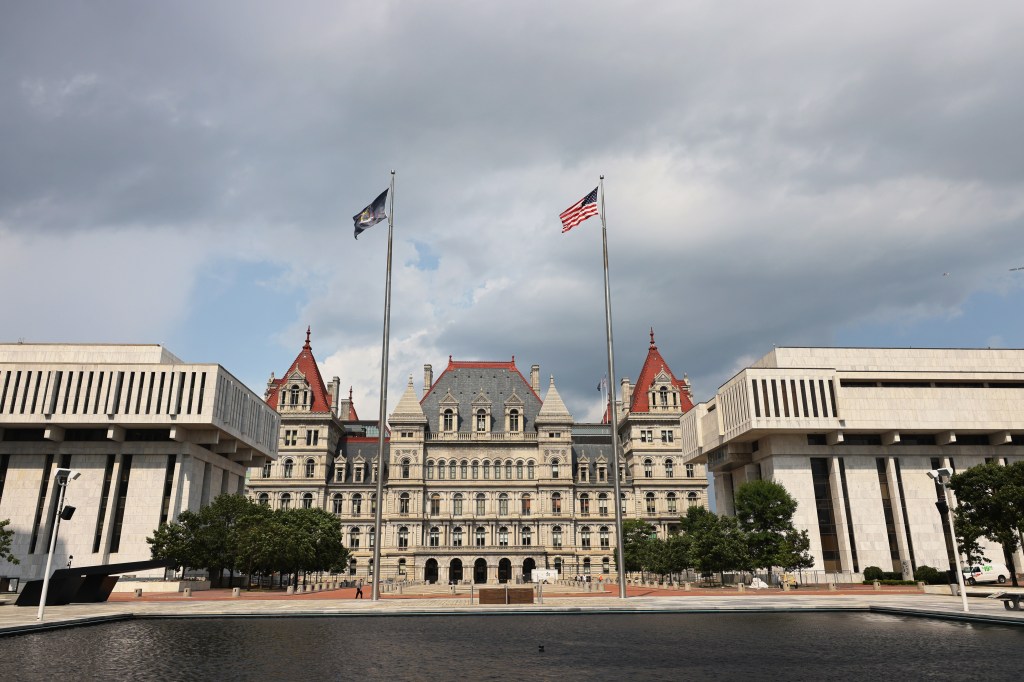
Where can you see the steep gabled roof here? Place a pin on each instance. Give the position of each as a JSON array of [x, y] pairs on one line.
[[306, 365], [462, 383], [654, 365]]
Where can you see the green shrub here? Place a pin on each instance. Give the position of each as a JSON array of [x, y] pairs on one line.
[[872, 573], [891, 582], [930, 576]]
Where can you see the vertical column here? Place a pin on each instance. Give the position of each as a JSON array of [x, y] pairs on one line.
[[835, 484]]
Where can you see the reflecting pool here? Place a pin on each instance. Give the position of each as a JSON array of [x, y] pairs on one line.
[[790, 646]]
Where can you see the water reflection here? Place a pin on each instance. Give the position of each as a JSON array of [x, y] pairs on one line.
[[791, 646]]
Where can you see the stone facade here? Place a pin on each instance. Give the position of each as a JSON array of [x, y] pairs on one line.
[[150, 435], [852, 432], [485, 479]]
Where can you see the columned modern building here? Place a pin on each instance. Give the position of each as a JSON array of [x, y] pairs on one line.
[[150, 435], [852, 432], [487, 476]]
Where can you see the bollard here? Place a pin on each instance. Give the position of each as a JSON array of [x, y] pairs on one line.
[[742, 587], [686, 587], [920, 586], [832, 587], [290, 590], [785, 586], [236, 591], [138, 591], [878, 586], [188, 591]]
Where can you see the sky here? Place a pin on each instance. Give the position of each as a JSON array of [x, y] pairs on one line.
[[786, 173]]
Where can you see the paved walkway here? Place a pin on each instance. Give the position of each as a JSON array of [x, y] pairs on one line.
[[339, 603]]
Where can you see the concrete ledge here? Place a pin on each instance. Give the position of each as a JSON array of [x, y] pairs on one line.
[[60, 624]]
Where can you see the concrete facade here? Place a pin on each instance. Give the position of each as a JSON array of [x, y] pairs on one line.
[[852, 432], [150, 435]]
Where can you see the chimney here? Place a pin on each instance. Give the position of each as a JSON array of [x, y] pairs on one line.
[[428, 378], [627, 392], [334, 390], [535, 378]]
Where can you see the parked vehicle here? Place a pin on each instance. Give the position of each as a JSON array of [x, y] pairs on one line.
[[986, 573]]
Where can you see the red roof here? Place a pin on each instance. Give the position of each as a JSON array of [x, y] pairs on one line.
[[653, 366], [306, 364]]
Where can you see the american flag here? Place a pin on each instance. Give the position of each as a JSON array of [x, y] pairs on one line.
[[580, 211]]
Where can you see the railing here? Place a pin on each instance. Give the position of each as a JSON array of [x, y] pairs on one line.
[[472, 436]]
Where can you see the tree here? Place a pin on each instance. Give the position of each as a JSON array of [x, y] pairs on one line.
[[765, 512], [6, 538], [637, 536], [989, 500], [717, 543]]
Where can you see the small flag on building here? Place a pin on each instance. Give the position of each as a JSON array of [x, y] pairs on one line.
[[372, 214], [580, 211]]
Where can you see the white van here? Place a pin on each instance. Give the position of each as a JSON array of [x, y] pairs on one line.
[[986, 573]]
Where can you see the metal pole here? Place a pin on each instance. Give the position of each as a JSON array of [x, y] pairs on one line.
[[612, 416], [956, 548], [53, 543], [375, 590]]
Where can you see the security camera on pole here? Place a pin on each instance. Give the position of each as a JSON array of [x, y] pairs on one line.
[[61, 477], [942, 476]]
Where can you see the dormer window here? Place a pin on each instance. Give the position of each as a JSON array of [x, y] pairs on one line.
[[295, 395], [448, 420], [663, 393], [513, 421], [481, 420]]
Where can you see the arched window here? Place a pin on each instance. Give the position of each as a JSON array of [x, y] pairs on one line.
[[605, 539], [403, 503], [481, 420], [402, 567], [663, 392], [529, 469], [451, 469], [487, 469], [622, 502], [585, 504], [526, 505], [585, 537], [405, 468], [556, 503], [403, 538], [476, 470], [352, 565], [554, 468], [336, 503], [430, 469], [690, 471], [503, 536], [519, 470], [497, 470], [606, 565], [480, 504], [295, 395], [672, 503], [457, 504], [503, 504], [508, 470], [558, 566], [373, 503], [435, 536], [441, 469], [513, 420], [649, 498], [556, 536], [481, 536], [435, 505], [586, 566], [286, 501], [527, 536], [310, 467], [289, 466], [266, 470], [264, 499], [670, 470], [449, 420], [457, 536], [372, 533], [602, 504], [353, 538], [307, 500], [464, 470], [692, 500], [648, 468], [357, 504]]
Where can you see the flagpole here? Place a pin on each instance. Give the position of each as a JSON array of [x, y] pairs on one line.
[[612, 416], [377, 539]]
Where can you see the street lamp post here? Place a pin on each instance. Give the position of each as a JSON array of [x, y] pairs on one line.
[[942, 476], [60, 478]]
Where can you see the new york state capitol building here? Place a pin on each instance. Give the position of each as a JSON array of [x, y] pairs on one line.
[[487, 474]]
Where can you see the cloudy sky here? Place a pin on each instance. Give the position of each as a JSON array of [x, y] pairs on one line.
[[788, 173]]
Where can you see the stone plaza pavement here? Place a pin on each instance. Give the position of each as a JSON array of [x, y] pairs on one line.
[[339, 603]]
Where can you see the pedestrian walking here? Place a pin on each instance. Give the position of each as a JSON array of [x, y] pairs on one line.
[[359, 590]]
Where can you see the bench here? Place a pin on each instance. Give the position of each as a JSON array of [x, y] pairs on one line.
[[1011, 601]]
